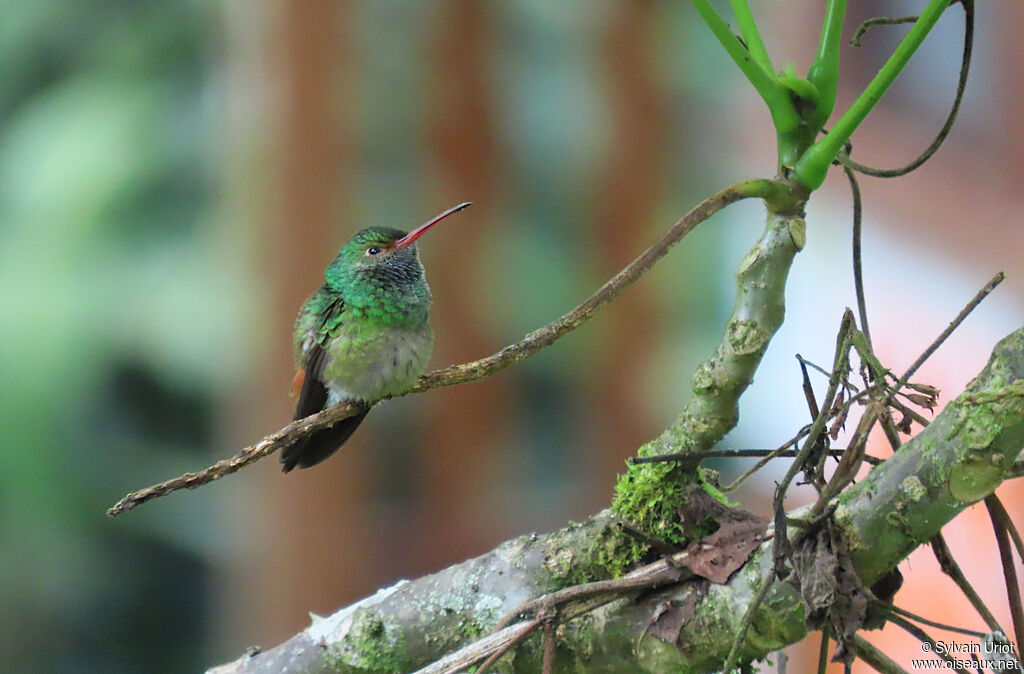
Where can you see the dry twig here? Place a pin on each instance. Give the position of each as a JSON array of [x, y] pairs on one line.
[[567, 604], [770, 190], [949, 567], [1001, 525]]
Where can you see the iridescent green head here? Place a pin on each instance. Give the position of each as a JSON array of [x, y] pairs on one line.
[[380, 258]]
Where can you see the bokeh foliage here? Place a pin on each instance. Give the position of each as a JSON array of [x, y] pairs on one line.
[[110, 299]]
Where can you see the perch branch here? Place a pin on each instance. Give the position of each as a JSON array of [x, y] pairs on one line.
[[776, 193], [268, 445], [772, 191]]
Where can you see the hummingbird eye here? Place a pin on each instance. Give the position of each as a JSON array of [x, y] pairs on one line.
[[373, 250]]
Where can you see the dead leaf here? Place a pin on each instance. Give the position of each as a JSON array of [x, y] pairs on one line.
[[671, 616], [831, 589], [739, 533], [699, 509], [924, 401], [839, 423], [927, 389]]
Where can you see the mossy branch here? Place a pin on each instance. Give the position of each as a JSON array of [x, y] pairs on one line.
[[960, 458]]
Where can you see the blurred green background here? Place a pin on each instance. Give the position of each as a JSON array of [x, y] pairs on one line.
[[175, 175]]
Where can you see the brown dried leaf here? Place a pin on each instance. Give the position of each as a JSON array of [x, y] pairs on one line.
[[831, 589], [839, 401], [839, 423], [815, 564], [698, 507], [927, 402], [671, 616], [717, 556], [926, 389]]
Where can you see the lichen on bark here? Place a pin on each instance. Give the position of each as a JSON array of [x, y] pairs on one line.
[[960, 458]]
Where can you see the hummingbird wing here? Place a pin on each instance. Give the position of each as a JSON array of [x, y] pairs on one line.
[[319, 445], [319, 320], [313, 394]]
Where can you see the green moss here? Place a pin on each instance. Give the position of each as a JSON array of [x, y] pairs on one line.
[[607, 554], [709, 482], [369, 647], [648, 496]]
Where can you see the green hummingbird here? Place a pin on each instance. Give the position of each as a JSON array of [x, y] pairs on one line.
[[363, 335]]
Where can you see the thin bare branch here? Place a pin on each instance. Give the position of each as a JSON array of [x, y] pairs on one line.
[[567, 604], [782, 450], [892, 608], [520, 637], [840, 363], [569, 600], [823, 648], [497, 642], [878, 21], [548, 663], [953, 325], [949, 567], [778, 453], [1000, 525], [858, 269], [748, 620], [924, 638], [770, 190], [1011, 528]]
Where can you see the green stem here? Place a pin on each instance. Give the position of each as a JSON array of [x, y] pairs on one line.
[[784, 115], [748, 28], [824, 72], [878, 660], [810, 170]]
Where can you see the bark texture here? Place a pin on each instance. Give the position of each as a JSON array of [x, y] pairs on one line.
[[958, 460]]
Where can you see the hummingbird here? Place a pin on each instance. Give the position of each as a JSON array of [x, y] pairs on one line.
[[363, 335]]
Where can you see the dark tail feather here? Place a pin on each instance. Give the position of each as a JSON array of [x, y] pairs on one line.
[[319, 445]]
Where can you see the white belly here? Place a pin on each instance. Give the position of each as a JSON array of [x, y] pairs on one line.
[[370, 368]]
